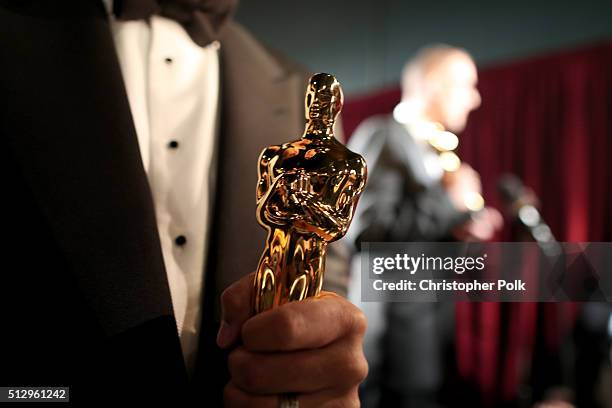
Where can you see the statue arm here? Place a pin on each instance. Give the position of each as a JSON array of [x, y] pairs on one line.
[[264, 178], [331, 216], [272, 206]]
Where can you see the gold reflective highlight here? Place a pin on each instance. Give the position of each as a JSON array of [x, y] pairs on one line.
[[306, 196]]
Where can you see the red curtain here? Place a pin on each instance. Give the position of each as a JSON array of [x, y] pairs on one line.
[[548, 120]]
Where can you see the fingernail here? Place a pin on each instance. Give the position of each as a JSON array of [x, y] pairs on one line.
[[224, 336]]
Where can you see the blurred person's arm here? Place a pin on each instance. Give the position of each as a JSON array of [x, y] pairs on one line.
[[482, 224]]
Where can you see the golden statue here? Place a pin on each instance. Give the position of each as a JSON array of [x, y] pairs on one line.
[[306, 196]]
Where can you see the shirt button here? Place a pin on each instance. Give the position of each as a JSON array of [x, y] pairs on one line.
[[173, 144], [180, 240], [168, 60]]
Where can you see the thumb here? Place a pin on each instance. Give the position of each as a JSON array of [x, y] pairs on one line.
[[235, 310]]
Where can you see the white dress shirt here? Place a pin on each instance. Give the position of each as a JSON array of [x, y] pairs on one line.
[[173, 91]]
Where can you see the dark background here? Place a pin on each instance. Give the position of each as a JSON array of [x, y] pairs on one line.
[[365, 42]]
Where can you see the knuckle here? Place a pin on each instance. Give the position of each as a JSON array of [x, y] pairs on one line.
[[357, 367], [360, 321], [230, 302], [364, 369], [226, 296], [288, 326]]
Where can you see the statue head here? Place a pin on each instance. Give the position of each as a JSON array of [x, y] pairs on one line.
[[323, 99]]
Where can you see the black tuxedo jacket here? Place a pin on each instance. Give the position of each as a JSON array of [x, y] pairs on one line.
[[85, 299], [401, 202]]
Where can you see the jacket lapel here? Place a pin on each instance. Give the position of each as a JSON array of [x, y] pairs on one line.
[[71, 131], [262, 104]]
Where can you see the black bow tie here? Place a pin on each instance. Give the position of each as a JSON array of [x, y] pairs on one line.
[[202, 19]]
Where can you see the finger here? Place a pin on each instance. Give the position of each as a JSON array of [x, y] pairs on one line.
[[495, 217], [311, 323], [234, 397], [339, 366], [235, 310]]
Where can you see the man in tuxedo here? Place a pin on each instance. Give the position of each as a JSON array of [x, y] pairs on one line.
[[410, 197], [131, 133]]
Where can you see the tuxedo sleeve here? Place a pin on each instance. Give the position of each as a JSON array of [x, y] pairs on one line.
[[394, 207]]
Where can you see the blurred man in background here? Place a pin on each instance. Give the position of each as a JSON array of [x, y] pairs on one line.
[[418, 191]]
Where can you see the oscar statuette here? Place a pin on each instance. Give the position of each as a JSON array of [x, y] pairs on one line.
[[307, 192]]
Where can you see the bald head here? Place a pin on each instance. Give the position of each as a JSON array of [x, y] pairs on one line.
[[440, 81]]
